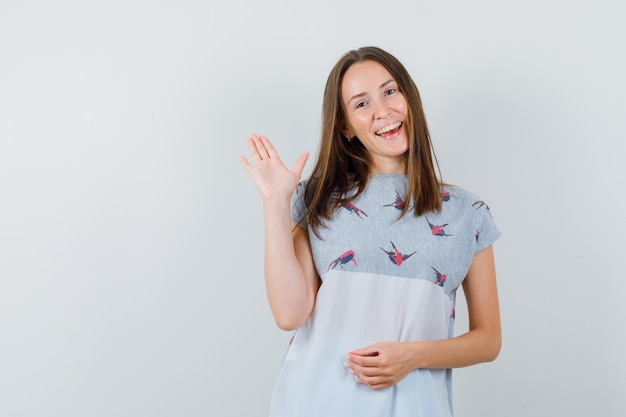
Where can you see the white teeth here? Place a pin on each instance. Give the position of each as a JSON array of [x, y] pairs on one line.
[[388, 128]]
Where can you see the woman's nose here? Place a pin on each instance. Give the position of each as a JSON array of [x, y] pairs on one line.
[[381, 110]]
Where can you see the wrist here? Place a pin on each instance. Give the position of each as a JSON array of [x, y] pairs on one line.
[[419, 355], [277, 210]]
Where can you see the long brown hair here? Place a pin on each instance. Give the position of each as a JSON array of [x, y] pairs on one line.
[[343, 166]]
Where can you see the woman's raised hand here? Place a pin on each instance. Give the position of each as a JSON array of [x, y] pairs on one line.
[[271, 176]]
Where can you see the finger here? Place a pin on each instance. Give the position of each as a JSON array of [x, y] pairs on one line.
[[271, 151], [300, 163], [256, 148], [366, 351], [370, 379], [368, 371], [245, 163], [364, 360], [360, 378], [375, 382], [260, 146], [362, 372], [379, 385], [252, 148]]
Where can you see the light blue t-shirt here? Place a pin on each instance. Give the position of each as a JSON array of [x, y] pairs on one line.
[[384, 279]]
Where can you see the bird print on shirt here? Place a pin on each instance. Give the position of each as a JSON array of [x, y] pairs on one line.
[[354, 209], [343, 259], [440, 278], [437, 229], [480, 204], [395, 256], [398, 202]]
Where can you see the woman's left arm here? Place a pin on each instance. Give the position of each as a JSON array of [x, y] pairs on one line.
[[384, 364]]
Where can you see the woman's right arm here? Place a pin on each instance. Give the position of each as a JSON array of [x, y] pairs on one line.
[[290, 277]]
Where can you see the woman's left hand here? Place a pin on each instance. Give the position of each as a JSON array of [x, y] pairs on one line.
[[381, 365]]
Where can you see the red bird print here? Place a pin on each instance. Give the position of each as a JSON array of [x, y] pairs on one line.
[[395, 256], [441, 278], [354, 209], [398, 203], [479, 204], [342, 260], [437, 230], [445, 196]]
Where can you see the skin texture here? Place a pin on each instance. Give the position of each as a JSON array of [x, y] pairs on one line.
[[290, 277], [371, 102]]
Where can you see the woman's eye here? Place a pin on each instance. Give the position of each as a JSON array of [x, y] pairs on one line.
[[361, 104], [390, 91]]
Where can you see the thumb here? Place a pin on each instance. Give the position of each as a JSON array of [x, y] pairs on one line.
[[300, 162]]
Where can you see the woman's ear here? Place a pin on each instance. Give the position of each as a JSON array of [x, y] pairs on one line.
[[347, 133]]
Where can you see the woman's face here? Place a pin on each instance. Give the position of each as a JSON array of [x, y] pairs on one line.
[[376, 113]]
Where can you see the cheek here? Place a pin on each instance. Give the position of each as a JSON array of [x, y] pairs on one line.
[[362, 119], [403, 105], [354, 124]]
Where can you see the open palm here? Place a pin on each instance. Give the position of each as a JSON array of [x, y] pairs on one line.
[[272, 178]]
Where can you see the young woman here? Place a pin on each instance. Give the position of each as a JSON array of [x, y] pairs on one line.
[[364, 258]]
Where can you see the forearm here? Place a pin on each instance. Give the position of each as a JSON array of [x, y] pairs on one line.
[[290, 292], [482, 342], [475, 346], [384, 364], [290, 277]]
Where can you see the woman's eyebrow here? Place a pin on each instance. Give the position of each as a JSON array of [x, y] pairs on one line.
[[387, 82], [363, 94]]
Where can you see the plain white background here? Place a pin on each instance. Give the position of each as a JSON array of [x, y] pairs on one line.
[[131, 238]]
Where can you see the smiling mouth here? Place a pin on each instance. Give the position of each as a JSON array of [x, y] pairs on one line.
[[391, 128]]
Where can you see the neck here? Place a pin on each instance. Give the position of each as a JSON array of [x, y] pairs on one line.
[[388, 167]]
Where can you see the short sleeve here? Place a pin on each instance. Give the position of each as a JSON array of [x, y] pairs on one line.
[[486, 230], [298, 206]]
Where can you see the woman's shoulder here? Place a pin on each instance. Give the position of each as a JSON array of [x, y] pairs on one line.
[[462, 196], [458, 192]]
